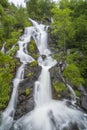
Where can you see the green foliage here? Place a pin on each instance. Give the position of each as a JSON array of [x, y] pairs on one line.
[[12, 40], [34, 64], [78, 94], [38, 9], [69, 30], [4, 3], [72, 74], [30, 74], [1, 10], [13, 51], [32, 46], [59, 56], [7, 66], [59, 86], [73, 57], [21, 18], [63, 29], [12, 20], [33, 49], [27, 91]]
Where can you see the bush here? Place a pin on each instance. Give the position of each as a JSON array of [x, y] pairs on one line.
[[7, 67], [72, 75]]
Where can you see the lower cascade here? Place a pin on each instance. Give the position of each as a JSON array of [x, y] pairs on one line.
[[48, 114]]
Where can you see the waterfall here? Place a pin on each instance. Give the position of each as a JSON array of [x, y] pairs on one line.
[[8, 114], [3, 48], [43, 88], [48, 114]]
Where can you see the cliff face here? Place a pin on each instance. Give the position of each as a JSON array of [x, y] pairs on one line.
[[25, 102]]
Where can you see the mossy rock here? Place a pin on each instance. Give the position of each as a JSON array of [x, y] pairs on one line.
[[34, 64], [32, 46], [33, 50], [27, 91], [30, 74], [59, 88], [35, 56]]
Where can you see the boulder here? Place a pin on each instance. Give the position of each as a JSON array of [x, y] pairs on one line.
[[84, 102]]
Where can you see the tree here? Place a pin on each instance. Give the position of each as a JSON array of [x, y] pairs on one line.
[[62, 26], [37, 9]]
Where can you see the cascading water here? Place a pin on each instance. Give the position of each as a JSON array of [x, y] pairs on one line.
[[3, 48], [48, 114], [43, 94], [8, 114]]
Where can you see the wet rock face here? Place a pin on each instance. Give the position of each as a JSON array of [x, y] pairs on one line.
[[54, 77], [56, 82], [83, 98], [43, 57], [25, 102], [84, 102]]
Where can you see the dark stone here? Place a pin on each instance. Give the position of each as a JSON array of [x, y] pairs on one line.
[[25, 105], [25, 102], [84, 102], [43, 57], [55, 76]]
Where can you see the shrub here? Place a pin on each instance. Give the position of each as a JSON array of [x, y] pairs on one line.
[[72, 74]]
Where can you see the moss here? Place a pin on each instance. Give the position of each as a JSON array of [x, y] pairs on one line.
[[78, 94], [13, 51], [60, 88], [27, 91], [32, 46], [35, 56], [30, 74], [34, 64], [33, 49]]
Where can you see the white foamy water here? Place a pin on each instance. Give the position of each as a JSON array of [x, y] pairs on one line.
[[3, 48]]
